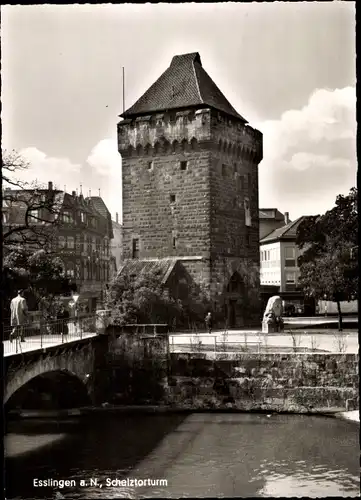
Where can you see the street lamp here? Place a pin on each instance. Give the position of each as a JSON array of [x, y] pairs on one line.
[[75, 297]]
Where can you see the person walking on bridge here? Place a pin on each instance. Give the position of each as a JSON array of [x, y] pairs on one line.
[[19, 313], [208, 321]]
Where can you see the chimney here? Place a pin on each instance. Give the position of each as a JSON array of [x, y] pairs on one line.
[[50, 186], [116, 218], [287, 217]]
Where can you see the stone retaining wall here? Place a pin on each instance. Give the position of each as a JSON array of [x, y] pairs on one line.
[[272, 382], [144, 372]]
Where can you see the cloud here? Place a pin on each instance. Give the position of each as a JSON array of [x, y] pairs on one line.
[[43, 168], [105, 159], [310, 153]]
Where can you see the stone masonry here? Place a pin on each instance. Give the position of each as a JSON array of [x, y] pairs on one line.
[[186, 173]]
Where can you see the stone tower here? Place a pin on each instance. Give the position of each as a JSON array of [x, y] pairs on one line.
[[190, 186]]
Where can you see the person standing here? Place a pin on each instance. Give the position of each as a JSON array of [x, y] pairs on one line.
[[19, 313], [208, 321]]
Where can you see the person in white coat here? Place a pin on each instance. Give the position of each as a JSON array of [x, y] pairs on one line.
[[19, 313]]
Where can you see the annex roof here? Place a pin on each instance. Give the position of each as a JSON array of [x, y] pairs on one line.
[[184, 84], [138, 266]]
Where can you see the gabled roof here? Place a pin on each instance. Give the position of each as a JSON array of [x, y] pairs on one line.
[[184, 84], [270, 213], [98, 203], [287, 232], [138, 266]]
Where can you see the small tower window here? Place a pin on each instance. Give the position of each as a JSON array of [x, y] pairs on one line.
[[224, 170], [174, 242], [135, 249], [150, 165], [183, 165], [172, 198]]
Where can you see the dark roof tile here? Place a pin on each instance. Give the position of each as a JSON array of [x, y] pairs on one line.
[[289, 231], [138, 266], [184, 84]]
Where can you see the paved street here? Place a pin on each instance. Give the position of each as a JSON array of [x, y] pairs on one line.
[[41, 342]]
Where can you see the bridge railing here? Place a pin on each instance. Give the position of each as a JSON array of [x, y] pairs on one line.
[[148, 328], [46, 333]]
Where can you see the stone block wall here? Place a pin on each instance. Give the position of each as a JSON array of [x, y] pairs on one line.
[[194, 209], [166, 207], [272, 382]]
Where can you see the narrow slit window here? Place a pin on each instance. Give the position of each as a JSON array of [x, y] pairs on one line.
[[150, 165], [135, 249], [172, 198], [174, 242], [183, 165]]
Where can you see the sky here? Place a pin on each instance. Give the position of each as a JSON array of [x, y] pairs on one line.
[[288, 68]]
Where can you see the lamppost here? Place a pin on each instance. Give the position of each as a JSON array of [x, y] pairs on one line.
[[75, 297]]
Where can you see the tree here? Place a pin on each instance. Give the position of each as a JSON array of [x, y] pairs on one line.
[[30, 213], [329, 264], [140, 299], [145, 299], [40, 274]]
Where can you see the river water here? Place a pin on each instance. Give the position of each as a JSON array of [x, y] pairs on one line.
[[199, 455]]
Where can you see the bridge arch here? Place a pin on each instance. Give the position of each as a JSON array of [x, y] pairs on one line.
[[73, 362], [64, 386]]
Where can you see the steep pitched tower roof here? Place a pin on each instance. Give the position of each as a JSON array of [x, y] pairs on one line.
[[184, 84]]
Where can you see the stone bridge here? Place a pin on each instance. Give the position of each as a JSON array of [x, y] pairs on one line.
[[79, 364]]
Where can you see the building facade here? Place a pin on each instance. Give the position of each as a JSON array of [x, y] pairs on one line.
[[116, 247], [80, 235], [279, 270], [190, 185]]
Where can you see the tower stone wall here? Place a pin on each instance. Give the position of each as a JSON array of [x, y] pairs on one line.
[[190, 186]]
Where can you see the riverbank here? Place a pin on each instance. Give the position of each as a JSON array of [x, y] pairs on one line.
[[353, 415]]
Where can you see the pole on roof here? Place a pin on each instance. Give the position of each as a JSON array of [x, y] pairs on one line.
[[123, 90]]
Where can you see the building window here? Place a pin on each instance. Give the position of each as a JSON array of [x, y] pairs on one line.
[[135, 248], [290, 277], [150, 165], [70, 272], [172, 198], [183, 165], [78, 270], [34, 214], [67, 218], [174, 242], [290, 257], [224, 170], [61, 242], [70, 242]]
